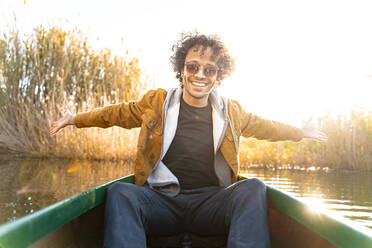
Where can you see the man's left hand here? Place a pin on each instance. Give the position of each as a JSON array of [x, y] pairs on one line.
[[308, 131]]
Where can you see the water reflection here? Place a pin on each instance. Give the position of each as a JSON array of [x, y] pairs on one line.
[[346, 194], [30, 184]]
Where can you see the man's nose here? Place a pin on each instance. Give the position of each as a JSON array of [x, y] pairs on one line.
[[200, 73]]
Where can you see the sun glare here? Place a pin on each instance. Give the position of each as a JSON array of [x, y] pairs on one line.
[[315, 205]]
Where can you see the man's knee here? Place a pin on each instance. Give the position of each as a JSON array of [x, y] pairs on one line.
[[251, 187], [124, 189], [254, 184]]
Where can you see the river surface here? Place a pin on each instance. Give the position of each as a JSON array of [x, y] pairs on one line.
[[347, 194], [29, 184]]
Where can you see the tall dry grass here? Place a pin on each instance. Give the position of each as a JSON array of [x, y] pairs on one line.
[[349, 146], [51, 70]]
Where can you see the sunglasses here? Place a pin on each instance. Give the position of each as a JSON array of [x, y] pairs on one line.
[[209, 70]]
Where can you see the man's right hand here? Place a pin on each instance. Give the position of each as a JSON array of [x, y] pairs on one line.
[[67, 119]]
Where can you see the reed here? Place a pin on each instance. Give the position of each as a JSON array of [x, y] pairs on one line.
[[51, 70], [349, 147]]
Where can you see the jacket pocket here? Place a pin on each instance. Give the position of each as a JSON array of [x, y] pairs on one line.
[[151, 130], [152, 122], [232, 139], [229, 135]]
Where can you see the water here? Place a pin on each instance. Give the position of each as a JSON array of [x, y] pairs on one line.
[[28, 185], [347, 194]]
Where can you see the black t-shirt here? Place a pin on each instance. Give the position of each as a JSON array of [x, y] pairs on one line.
[[190, 157]]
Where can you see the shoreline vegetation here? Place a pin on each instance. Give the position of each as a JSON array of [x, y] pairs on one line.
[[51, 70], [349, 147]]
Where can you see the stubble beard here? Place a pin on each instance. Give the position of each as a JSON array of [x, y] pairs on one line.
[[197, 97]]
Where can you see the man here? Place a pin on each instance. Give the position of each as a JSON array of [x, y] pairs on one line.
[[187, 161]]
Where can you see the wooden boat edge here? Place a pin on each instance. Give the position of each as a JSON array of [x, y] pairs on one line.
[[336, 230], [37, 225], [333, 230]]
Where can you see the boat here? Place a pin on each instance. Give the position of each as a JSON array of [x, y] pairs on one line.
[[78, 222]]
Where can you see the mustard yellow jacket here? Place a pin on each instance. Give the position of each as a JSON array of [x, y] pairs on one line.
[[156, 113]]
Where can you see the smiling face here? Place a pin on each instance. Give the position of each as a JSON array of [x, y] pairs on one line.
[[199, 76]]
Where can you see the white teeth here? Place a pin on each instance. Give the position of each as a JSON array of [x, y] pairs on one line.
[[199, 84]]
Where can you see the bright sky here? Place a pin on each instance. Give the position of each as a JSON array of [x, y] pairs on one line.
[[295, 59]]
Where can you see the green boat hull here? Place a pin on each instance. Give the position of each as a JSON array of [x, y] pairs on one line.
[[78, 222]]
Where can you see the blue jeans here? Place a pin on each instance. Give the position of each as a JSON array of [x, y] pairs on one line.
[[239, 211]]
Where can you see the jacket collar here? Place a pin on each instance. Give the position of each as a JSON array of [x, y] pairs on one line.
[[171, 112], [218, 103]]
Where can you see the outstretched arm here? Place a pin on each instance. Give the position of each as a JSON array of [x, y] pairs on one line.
[[251, 125], [66, 120], [126, 115]]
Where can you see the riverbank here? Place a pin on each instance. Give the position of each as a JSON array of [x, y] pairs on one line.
[[58, 70], [130, 157], [50, 70], [311, 169]]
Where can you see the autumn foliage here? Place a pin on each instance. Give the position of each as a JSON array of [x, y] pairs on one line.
[[51, 70], [349, 147]]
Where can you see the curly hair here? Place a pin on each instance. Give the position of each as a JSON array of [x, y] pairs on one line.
[[225, 62]]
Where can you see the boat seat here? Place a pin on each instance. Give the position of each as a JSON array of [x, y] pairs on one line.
[[186, 240]]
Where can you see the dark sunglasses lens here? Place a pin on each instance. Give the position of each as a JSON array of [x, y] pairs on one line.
[[192, 68], [210, 71]]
